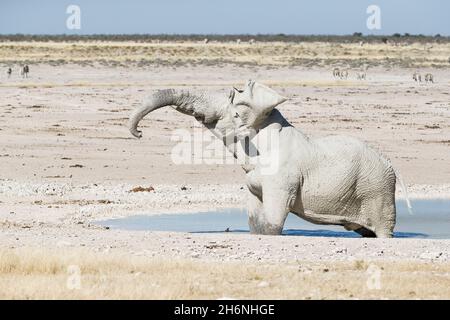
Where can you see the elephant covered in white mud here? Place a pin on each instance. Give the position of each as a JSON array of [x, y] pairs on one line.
[[332, 180]]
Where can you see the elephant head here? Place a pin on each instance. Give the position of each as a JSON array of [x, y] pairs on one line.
[[221, 114], [260, 98], [251, 106]]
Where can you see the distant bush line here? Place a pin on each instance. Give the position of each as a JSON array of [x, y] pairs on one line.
[[355, 38]]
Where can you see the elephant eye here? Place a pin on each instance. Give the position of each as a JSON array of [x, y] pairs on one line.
[[236, 115]]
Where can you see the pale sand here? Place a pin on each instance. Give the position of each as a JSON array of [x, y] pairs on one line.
[[60, 118]]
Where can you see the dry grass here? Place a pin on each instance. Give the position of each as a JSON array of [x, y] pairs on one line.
[[34, 273], [264, 53]]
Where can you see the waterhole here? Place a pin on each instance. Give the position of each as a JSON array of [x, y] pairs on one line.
[[431, 219]]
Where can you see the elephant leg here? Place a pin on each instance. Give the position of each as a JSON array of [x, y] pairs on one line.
[[268, 216], [255, 212], [378, 215], [275, 213]]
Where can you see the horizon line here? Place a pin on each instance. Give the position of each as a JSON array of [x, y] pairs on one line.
[[355, 34]]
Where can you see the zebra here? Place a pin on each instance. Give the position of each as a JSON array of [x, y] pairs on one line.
[[336, 72], [417, 77], [205, 41], [9, 72], [25, 70], [361, 75], [251, 41], [429, 78], [343, 74]]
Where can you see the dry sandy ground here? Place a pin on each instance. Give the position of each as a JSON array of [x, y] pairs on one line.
[[67, 159]]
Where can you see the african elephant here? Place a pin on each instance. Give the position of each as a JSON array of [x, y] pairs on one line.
[[333, 180]]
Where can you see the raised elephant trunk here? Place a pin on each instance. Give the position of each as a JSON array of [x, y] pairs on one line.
[[201, 106]]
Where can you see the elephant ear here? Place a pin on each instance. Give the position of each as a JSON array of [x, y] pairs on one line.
[[263, 98], [258, 97]]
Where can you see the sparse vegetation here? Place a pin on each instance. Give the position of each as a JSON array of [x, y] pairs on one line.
[[279, 50], [81, 274]]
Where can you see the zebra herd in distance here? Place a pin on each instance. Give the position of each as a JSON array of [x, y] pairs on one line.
[[24, 70], [362, 75], [417, 77], [343, 74], [337, 74]]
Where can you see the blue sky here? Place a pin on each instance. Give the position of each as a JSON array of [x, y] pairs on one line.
[[225, 17]]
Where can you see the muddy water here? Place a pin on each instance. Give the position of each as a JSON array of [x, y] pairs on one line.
[[431, 219]]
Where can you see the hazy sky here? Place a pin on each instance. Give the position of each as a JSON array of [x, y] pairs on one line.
[[225, 17]]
